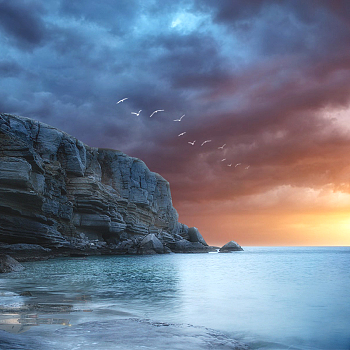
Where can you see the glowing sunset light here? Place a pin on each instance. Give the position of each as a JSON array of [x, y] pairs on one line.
[[270, 80]]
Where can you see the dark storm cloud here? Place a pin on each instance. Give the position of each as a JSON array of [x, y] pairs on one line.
[[291, 26], [22, 21], [178, 61], [282, 135], [118, 16], [9, 68], [230, 11], [256, 75]]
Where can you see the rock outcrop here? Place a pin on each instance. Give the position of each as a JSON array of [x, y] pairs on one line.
[[195, 236], [63, 195], [231, 246], [151, 245], [8, 264]]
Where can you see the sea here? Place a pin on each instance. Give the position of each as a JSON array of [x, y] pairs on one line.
[[266, 297]]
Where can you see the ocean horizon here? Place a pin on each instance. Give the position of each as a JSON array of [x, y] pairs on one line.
[[265, 297]]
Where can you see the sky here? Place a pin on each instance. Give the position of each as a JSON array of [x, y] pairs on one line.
[[269, 79]]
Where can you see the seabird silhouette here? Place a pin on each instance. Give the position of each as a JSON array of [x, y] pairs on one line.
[[158, 110], [137, 113], [206, 141], [178, 120], [122, 100]]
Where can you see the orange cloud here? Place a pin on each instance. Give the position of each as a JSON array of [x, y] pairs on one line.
[[284, 215]]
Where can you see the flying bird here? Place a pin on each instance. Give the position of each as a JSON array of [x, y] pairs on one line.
[[137, 113], [158, 110], [122, 100], [178, 120], [247, 167], [183, 133], [206, 141], [192, 143], [237, 165], [223, 159], [222, 147], [229, 164]]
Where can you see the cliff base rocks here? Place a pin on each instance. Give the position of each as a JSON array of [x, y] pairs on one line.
[[8, 264]]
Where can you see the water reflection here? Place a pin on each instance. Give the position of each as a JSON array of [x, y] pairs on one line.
[[20, 323], [93, 289], [18, 314]]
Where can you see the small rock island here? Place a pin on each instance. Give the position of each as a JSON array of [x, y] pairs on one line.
[[60, 197], [231, 246]]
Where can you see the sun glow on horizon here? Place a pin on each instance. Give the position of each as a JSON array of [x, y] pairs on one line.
[[275, 229]]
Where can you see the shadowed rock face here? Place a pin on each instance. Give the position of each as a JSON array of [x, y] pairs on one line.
[[56, 191]]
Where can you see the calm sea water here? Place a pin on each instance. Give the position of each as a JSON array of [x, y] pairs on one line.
[[270, 298]]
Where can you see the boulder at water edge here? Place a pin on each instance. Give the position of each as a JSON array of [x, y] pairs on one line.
[[195, 236], [230, 247], [8, 264], [151, 245]]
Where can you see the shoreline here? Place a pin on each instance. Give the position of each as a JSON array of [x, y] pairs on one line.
[[33, 252], [122, 332]]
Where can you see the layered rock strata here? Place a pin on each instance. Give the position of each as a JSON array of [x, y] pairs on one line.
[[63, 195]]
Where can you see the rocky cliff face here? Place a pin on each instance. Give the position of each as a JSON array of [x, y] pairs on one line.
[[57, 192]]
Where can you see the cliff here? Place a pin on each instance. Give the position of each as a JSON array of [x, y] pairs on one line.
[[60, 194]]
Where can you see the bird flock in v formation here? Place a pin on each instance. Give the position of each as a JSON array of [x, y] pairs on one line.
[[192, 143]]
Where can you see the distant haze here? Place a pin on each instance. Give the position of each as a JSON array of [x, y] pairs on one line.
[[269, 79]]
